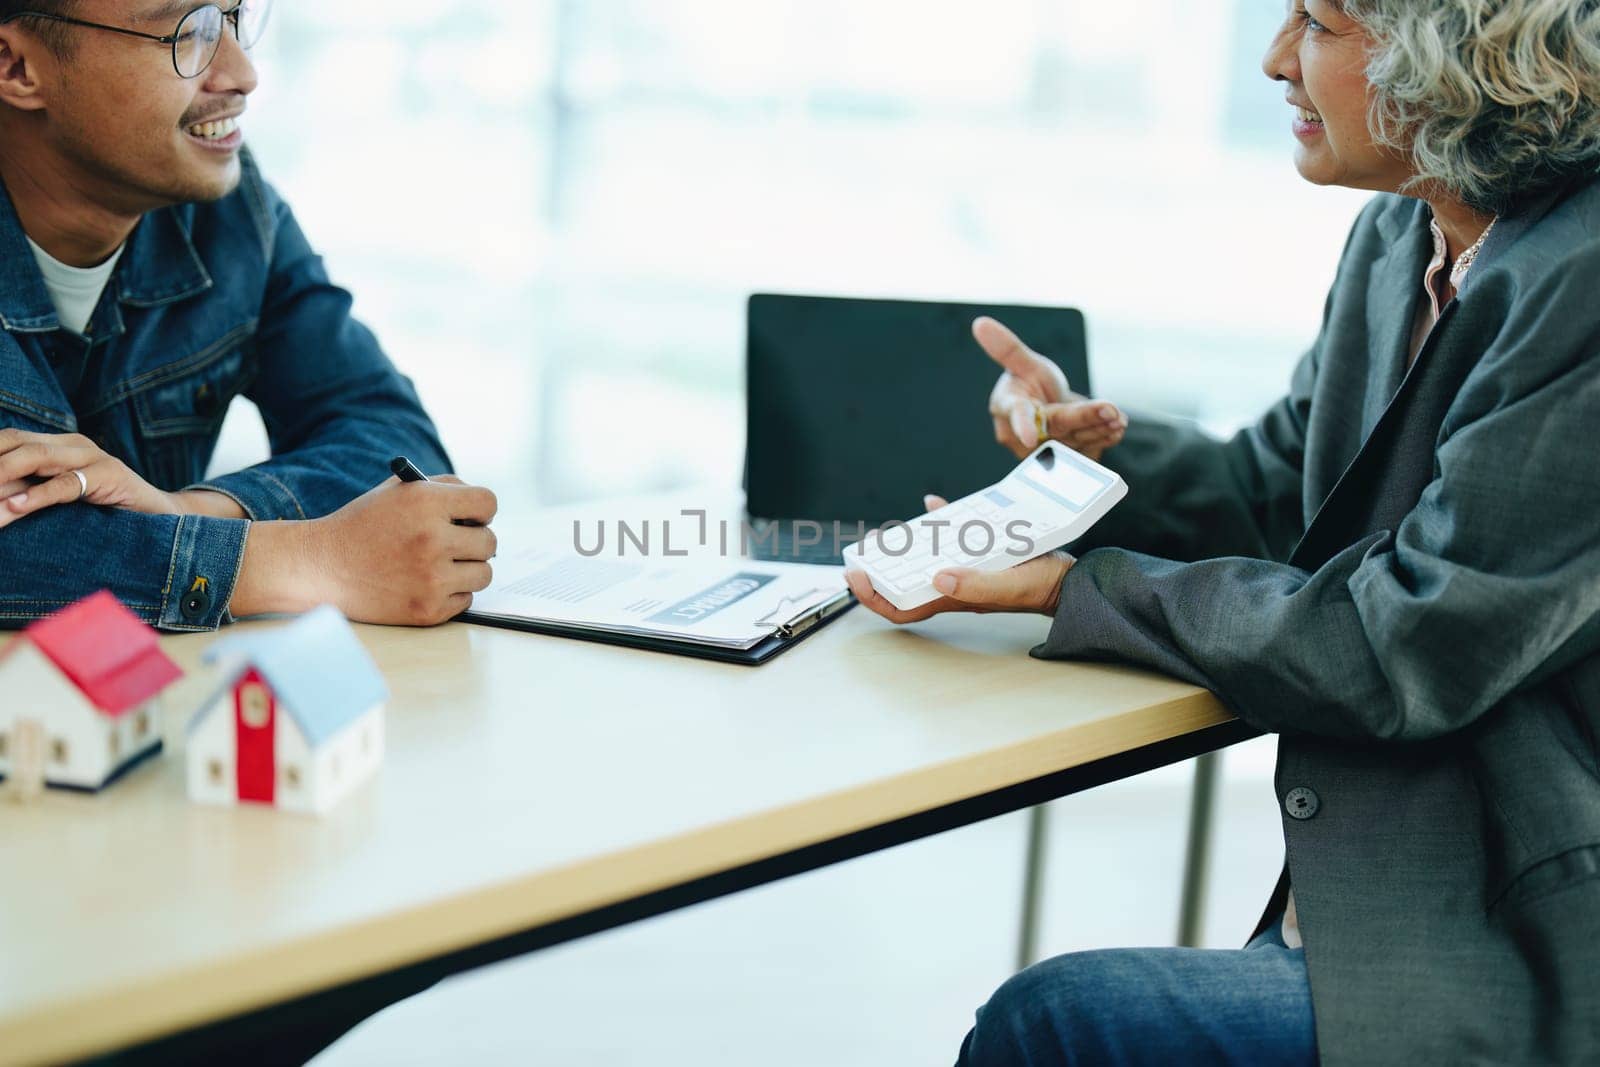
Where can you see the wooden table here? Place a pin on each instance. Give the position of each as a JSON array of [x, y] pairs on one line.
[[538, 789]]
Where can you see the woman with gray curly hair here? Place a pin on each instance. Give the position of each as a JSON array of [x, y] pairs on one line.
[[1397, 570]]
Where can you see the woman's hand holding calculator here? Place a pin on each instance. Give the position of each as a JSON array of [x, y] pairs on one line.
[[1000, 545], [1034, 586], [992, 550], [1033, 394]]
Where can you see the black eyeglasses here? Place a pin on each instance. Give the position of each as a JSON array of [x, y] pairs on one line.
[[199, 33]]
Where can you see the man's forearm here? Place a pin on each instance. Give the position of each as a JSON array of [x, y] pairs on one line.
[[275, 576], [401, 554]]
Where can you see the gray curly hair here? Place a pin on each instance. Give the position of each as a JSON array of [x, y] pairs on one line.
[[1490, 99]]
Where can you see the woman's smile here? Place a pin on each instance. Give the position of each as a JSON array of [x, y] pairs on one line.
[[1308, 123]]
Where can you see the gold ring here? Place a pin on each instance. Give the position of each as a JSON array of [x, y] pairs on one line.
[[1040, 423], [83, 485]]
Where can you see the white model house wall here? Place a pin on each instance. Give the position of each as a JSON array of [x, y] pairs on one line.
[[211, 753], [306, 782], [82, 746], [349, 758]]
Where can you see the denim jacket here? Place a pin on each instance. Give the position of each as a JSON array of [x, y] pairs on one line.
[[208, 302]]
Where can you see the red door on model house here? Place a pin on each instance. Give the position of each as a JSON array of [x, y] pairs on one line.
[[255, 726]]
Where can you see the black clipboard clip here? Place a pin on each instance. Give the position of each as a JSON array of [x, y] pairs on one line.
[[805, 618]]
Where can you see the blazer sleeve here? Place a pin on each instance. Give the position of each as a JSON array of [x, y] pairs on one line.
[[1191, 496], [1491, 583]]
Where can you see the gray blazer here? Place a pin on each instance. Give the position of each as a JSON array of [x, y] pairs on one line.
[[1399, 574]]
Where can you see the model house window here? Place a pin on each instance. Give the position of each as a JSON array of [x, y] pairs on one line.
[[115, 740], [141, 724], [59, 750], [254, 705], [3, 745], [291, 776], [214, 771]]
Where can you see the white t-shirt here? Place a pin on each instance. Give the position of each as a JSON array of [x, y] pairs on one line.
[[75, 291]]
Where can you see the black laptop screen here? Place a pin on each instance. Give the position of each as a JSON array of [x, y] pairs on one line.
[[858, 407]]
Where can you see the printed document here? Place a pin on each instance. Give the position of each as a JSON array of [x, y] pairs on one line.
[[725, 602]]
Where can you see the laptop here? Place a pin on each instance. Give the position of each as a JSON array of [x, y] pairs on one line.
[[856, 408]]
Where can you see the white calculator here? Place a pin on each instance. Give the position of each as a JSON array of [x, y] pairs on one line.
[[1051, 499]]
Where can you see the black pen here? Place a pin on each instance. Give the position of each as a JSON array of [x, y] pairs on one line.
[[405, 470]]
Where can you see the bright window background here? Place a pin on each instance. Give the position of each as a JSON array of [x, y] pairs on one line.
[[551, 212]]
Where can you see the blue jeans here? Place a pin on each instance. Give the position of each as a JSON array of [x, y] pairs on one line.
[[1151, 1005]]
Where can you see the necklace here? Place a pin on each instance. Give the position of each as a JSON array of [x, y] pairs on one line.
[[1465, 261]]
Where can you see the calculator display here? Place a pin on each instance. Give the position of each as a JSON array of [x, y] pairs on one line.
[[1053, 497], [1063, 477]]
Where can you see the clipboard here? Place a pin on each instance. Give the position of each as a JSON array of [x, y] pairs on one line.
[[786, 633]]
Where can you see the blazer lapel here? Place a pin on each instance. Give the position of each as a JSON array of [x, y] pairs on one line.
[[1395, 462], [1394, 284], [1393, 289]]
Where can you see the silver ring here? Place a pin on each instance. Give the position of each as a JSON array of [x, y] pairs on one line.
[[83, 485]]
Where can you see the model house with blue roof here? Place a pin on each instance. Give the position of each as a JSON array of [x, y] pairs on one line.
[[297, 722]]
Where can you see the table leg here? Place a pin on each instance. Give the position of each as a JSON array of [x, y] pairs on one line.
[[1032, 885], [1192, 907]]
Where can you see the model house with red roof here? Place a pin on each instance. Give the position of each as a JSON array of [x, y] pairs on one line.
[[297, 722], [80, 687]]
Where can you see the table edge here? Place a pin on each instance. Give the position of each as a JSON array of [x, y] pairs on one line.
[[155, 1006]]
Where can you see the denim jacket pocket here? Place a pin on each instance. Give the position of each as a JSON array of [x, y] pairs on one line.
[[18, 413], [181, 417]]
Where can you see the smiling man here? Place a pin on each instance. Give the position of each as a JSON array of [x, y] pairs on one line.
[[148, 276]]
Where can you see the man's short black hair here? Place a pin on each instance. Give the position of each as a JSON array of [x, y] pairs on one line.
[[53, 34], [49, 7]]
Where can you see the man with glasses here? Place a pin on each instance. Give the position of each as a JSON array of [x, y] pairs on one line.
[[148, 275]]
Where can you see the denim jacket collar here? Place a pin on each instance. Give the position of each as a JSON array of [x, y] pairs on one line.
[[25, 304], [160, 266]]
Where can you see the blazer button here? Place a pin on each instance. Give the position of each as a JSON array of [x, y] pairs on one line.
[[1301, 803]]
